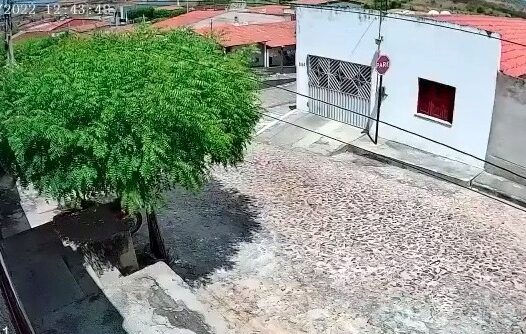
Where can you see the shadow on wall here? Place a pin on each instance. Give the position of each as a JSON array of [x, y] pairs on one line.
[[507, 136], [56, 291], [12, 217], [202, 231]]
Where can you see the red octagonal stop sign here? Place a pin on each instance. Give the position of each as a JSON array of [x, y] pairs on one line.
[[382, 64]]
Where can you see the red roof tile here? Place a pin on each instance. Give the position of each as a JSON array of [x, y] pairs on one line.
[[91, 26], [513, 57], [272, 34], [269, 9], [71, 23], [311, 2], [187, 19], [48, 26]]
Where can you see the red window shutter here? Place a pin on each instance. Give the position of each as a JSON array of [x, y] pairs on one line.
[[424, 97], [436, 100]]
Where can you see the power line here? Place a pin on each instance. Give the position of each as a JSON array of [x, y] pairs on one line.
[[427, 20], [388, 124], [423, 171], [419, 20], [402, 17], [378, 121], [398, 128], [383, 122]]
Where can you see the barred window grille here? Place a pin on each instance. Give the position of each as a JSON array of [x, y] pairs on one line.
[[346, 77]]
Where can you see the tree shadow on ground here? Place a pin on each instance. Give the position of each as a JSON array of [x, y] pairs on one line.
[[202, 231]]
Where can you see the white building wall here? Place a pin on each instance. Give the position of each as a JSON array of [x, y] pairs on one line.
[[466, 61]]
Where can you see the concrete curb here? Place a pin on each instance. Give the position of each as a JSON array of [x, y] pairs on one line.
[[489, 191], [277, 82], [399, 163], [495, 192]]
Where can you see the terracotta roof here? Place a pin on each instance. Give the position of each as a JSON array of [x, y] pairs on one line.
[[513, 57], [77, 24], [311, 2], [272, 34], [187, 19], [269, 9], [90, 26], [48, 26]]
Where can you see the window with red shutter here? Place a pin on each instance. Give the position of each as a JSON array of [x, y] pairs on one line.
[[436, 100]]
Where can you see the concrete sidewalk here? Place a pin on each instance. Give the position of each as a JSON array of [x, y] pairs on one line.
[[313, 133], [156, 300]]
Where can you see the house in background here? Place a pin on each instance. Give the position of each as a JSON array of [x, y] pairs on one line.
[[52, 28], [270, 28], [442, 83], [237, 16], [276, 42]]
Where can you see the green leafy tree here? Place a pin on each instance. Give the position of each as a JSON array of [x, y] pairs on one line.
[[127, 115], [151, 13]]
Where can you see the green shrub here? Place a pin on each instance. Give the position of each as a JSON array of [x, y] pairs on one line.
[[151, 13], [395, 4], [146, 12]]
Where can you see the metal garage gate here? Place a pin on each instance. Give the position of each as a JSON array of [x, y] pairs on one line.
[[340, 83]]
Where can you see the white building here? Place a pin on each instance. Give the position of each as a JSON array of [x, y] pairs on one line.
[[441, 82]]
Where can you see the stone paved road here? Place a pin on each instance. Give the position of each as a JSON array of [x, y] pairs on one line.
[[349, 245]]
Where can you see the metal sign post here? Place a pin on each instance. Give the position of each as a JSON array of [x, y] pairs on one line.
[[382, 65]]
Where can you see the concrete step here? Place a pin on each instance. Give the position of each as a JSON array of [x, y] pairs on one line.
[[501, 187], [409, 157], [156, 300]]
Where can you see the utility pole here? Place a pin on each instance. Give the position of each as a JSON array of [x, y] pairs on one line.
[[8, 31], [379, 85]]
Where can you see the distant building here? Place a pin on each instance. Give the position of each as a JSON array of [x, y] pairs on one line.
[[206, 18], [51, 28], [444, 84], [276, 42], [270, 28]]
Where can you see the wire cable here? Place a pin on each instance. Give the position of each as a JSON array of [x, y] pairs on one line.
[[374, 119], [409, 19], [398, 128], [406, 165], [403, 17], [427, 20]]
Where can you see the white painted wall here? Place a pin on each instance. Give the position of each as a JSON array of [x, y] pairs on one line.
[[466, 61]]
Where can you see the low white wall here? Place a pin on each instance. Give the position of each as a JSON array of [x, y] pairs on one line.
[[466, 61]]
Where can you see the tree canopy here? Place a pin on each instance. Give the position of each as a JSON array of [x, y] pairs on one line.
[[130, 114]]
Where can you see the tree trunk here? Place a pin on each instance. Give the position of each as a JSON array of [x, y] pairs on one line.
[[156, 239]]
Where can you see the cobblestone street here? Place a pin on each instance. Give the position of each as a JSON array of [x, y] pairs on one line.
[[345, 244]]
